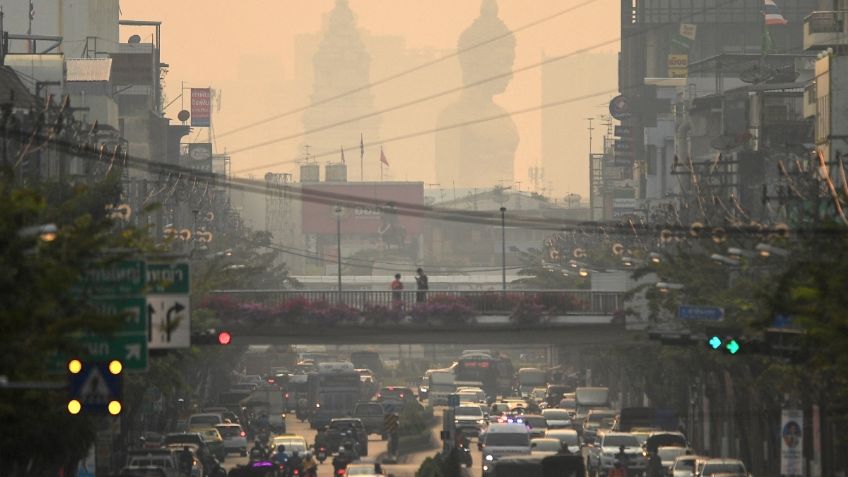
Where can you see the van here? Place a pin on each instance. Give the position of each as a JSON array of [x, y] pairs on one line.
[[204, 420], [501, 440]]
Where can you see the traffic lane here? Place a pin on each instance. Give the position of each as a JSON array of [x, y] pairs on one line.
[[376, 447]]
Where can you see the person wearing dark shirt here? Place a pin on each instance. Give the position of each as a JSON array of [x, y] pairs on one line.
[[423, 284]]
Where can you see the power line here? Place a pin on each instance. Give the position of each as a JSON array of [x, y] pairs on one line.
[[425, 132], [453, 90], [411, 70]]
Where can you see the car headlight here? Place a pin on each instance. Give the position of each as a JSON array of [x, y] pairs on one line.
[[485, 468], [490, 458], [481, 421]]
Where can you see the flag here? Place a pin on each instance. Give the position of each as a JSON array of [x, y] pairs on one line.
[[383, 157], [341, 149], [361, 146], [772, 13]]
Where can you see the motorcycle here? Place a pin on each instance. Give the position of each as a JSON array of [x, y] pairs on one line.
[[321, 454], [465, 456]]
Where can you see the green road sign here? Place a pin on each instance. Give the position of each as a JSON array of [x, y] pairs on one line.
[[130, 350], [168, 278], [134, 311], [117, 279]]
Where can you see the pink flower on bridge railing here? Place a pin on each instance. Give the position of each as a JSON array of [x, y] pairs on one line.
[[445, 309]]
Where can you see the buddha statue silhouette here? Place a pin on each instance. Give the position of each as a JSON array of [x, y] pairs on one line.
[[479, 154]]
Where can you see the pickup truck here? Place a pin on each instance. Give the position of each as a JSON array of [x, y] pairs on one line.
[[335, 434], [373, 417]]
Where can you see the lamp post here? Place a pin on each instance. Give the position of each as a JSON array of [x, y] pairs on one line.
[[503, 248], [338, 211]]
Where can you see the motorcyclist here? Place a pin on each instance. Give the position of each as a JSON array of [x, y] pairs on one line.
[[281, 457], [310, 465], [186, 461], [622, 461], [295, 462], [341, 460]]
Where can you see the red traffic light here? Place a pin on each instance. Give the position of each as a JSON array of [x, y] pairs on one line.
[[224, 338]]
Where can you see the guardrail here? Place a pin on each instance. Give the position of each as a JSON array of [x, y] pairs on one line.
[[562, 302]]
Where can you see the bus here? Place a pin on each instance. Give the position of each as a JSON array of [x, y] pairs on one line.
[[495, 372], [332, 391]]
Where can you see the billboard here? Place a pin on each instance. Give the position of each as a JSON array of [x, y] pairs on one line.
[[372, 212], [201, 111], [133, 68], [792, 443], [199, 157]]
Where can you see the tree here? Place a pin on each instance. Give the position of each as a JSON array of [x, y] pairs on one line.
[[41, 312]]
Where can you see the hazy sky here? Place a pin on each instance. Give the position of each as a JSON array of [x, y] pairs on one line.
[[246, 48]]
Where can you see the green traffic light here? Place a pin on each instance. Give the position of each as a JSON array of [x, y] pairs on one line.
[[715, 342], [732, 346]]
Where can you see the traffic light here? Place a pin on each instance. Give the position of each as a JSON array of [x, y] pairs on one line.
[[212, 337], [95, 388], [729, 344]]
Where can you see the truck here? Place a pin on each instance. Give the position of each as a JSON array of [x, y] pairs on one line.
[[588, 398], [440, 383], [332, 391], [529, 378], [373, 417], [268, 400]]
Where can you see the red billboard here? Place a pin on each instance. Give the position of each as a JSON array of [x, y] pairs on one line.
[[201, 112], [371, 211]]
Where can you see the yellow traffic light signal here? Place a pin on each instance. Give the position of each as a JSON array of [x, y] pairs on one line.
[[74, 407], [114, 408], [115, 367], [74, 366]]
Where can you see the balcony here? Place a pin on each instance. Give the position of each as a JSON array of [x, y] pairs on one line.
[[825, 29]]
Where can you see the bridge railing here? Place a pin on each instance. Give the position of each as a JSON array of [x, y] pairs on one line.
[[554, 302]]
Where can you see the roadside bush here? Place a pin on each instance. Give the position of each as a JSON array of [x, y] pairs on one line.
[[443, 309]]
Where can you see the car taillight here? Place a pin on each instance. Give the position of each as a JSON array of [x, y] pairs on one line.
[[379, 395], [242, 433], [401, 395], [287, 395], [340, 472], [296, 472]]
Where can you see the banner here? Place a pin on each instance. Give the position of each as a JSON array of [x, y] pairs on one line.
[[201, 112], [792, 443]]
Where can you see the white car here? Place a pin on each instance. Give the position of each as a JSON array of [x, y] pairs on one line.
[[684, 466], [544, 446], [709, 467], [668, 454], [364, 469], [557, 418], [566, 437], [235, 439], [604, 454]]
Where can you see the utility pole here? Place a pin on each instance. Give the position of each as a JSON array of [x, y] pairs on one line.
[[338, 212], [503, 248]]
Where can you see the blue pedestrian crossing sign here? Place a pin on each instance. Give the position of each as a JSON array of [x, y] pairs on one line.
[[97, 387]]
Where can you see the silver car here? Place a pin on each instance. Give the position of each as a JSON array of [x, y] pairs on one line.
[[235, 439]]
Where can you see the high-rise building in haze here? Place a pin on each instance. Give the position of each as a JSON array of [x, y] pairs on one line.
[[565, 139]]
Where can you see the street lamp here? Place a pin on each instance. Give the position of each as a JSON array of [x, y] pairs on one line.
[[665, 287], [45, 232], [503, 248], [655, 257], [767, 250], [339, 211], [724, 260]]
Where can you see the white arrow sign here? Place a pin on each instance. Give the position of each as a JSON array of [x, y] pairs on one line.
[[169, 323], [133, 351]]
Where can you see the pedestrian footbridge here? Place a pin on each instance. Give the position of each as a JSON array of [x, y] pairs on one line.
[[569, 317]]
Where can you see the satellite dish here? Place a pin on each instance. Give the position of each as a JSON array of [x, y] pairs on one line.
[[183, 115], [756, 73], [135, 39], [725, 142]]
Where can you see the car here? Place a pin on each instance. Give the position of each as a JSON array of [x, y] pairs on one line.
[[142, 471], [684, 466], [470, 419], [235, 439], [566, 437], [214, 441], [554, 394], [227, 414], [498, 408], [604, 453], [668, 454], [595, 420], [394, 397], [293, 442], [332, 435], [538, 394], [557, 418], [370, 469], [536, 423], [503, 440], [545, 446], [196, 465], [711, 467], [163, 459]]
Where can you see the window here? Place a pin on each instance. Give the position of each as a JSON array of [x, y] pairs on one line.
[[508, 439]]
